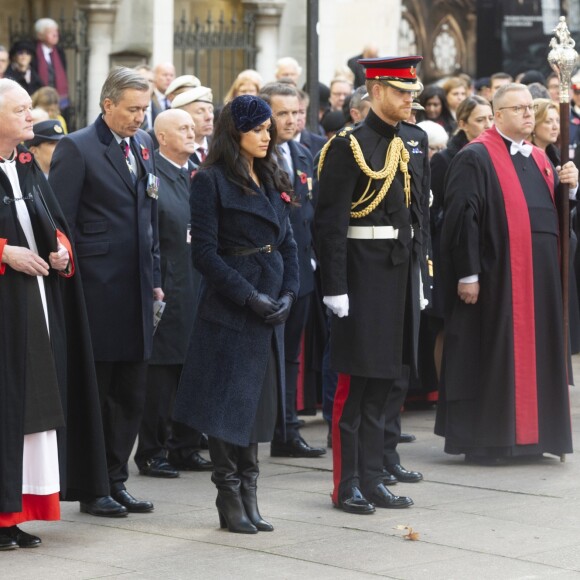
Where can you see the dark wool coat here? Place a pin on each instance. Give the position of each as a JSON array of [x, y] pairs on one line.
[[82, 463], [302, 214], [230, 345], [172, 335], [114, 226], [381, 277], [477, 404]]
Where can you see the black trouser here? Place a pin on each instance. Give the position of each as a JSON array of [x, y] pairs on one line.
[[395, 402], [293, 331], [122, 392], [358, 433], [157, 432]]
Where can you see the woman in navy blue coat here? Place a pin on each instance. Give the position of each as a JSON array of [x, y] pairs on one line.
[[232, 386]]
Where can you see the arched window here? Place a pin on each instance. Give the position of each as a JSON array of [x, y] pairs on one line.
[[448, 48]]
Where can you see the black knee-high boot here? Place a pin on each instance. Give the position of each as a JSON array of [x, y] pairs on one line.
[[249, 471], [225, 476]]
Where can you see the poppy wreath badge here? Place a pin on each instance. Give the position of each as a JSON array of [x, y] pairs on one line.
[[24, 157], [144, 152], [302, 176]]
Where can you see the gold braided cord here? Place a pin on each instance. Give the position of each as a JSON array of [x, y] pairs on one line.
[[323, 153], [397, 155]]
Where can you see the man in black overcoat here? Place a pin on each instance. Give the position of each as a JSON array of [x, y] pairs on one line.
[[48, 387], [283, 99], [175, 133], [372, 231], [104, 178]]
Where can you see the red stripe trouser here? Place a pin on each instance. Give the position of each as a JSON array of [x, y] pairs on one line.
[[358, 421]]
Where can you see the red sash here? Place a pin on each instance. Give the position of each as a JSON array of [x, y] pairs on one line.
[[520, 246]]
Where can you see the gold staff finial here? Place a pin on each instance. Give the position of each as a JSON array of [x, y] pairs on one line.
[[563, 57]]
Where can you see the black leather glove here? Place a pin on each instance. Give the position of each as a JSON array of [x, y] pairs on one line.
[[285, 305], [262, 304]]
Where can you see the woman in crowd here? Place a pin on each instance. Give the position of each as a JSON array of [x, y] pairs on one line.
[[20, 69], [455, 92], [248, 82], [474, 115], [433, 100], [47, 98], [545, 136], [232, 386]]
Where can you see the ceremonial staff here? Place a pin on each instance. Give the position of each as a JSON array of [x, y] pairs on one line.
[[562, 59]]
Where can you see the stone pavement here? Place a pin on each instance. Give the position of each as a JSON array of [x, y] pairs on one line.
[[511, 522]]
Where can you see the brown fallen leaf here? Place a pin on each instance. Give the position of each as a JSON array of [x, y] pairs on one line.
[[411, 535]]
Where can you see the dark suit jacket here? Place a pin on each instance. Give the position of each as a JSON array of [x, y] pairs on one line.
[[114, 226], [357, 69], [177, 279], [313, 142], [302, 215]]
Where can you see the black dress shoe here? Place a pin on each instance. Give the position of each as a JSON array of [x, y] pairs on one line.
[[133, 505], [354, 502], [159, 467], [192, 462], [383, 498], [389, 479], [23, 539], [406, 438], [295, 448], [402, 474], [7, 542], [104, 506]]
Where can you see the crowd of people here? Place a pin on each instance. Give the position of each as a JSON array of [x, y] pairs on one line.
[[193, 276]]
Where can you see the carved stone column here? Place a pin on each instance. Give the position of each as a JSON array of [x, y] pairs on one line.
[[100, 22], [268, 14]]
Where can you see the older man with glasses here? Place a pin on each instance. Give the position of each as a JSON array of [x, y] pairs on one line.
[[504, 390]]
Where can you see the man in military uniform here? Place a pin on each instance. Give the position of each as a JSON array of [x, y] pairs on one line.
[[372, 225]]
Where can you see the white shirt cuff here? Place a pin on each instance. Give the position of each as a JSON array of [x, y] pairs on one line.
[[469, 279]]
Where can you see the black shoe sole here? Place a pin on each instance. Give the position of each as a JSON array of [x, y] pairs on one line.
[[347, 510], [160, 474]]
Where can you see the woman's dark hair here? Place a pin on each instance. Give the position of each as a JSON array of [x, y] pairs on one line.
[[466, 107], [225, 151], [445, 118]]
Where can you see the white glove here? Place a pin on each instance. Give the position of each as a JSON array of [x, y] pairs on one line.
[[313, 264], [337, 304]]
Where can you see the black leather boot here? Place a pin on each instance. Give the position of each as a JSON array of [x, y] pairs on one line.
[[225, 476], [249, 471]]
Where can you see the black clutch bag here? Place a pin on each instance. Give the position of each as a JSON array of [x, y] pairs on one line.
[[46, 220]]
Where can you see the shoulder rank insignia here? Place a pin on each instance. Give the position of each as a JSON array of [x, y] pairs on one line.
[[344, 131]]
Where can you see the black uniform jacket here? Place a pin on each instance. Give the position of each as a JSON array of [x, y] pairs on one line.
[[381, 276]]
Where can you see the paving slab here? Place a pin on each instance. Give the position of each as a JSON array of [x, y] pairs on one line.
[[515, 522]]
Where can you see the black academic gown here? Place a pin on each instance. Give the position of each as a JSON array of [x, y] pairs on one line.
[[83, 471], [477, 403]]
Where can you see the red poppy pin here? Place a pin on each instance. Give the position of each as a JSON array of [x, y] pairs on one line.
[[191, 175], [285, 197], [144, 152], [24, 157], [303, 177]]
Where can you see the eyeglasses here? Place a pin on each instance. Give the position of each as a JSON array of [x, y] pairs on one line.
[[520, 109]]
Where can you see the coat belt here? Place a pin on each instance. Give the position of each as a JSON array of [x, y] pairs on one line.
[[243, 251], [373, 233]]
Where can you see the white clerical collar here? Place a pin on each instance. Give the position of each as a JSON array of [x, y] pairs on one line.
[[184, 166]]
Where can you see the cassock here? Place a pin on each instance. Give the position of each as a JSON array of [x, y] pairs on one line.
[[50, 426], [504, 383]]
